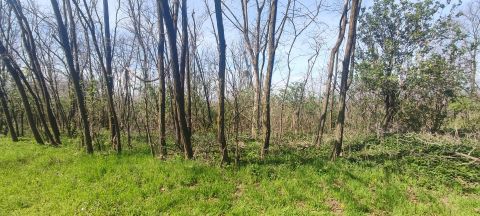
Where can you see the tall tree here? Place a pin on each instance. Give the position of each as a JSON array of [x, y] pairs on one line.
[[6, 111], [472, 15], [221, 82], [31, 49], [14, 70], [161, 72], [105, 60], [108, 76], [352, 31], [75, 75], [392, 33], [177, 78], [268, 77], [331, 67]]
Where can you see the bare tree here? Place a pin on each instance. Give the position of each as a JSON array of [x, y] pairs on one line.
[[14, 70], [331, 66], [177, 80], [6, 110], [75, 75], [31, 48], [268, 77], [352, 29], [221, 83], [161, 72], [472, 15]]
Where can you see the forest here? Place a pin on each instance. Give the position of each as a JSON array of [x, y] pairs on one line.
[[239, 107]]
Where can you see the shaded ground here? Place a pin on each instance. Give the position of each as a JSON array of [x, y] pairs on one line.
[[402, 175]]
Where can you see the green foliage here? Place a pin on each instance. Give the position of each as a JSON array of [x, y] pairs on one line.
[[430, 87], [466, 112], [402, 175], [409, 56]]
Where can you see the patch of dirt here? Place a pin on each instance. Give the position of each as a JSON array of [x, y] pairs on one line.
[[335, 206], [411, 195], [239, 190]]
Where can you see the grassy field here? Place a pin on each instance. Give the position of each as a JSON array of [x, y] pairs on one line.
[[402, 175]]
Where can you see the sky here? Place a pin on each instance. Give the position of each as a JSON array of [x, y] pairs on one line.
[[328, 19], [325, 31]]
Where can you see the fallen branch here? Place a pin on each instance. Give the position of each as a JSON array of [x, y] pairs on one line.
[[468, 157]]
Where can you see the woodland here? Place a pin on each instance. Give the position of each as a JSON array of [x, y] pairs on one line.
[[239, 107]]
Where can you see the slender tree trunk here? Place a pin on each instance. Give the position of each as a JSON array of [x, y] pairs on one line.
[[76, 79], [268, 78], [332, 101], [108, 76], [161, 72], [189, 93], [6, 112], [205, 91], [331, 64], [221, 83], [177, 85], [14, 71], [337, 148], [473, 79], [30, 46]]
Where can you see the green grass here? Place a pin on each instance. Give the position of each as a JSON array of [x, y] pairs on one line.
[[402, 175]]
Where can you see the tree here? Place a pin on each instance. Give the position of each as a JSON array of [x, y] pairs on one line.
[[105, 60], [31, 48], [331, 67], [14, 70], [352, 31], [177, 80], [392, 34], [6, 111], [268, 77], [472, 15], [161, 72], [221, 83], [108, 76], [75, 75]]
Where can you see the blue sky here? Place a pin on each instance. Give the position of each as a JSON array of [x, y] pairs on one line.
[[326, 31]]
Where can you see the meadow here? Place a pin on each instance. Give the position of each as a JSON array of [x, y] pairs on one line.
[[401, 175]]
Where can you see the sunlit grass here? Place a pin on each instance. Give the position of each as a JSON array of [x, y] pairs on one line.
[[382, 178]]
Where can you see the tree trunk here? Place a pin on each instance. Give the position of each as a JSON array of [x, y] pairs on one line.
[[29, 44], [177, 85], [268, 77], [331, 64], [6, 111], [108, 76], [221, 83], [161, 72], [337, 148], [14, 71], [76, 79]]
